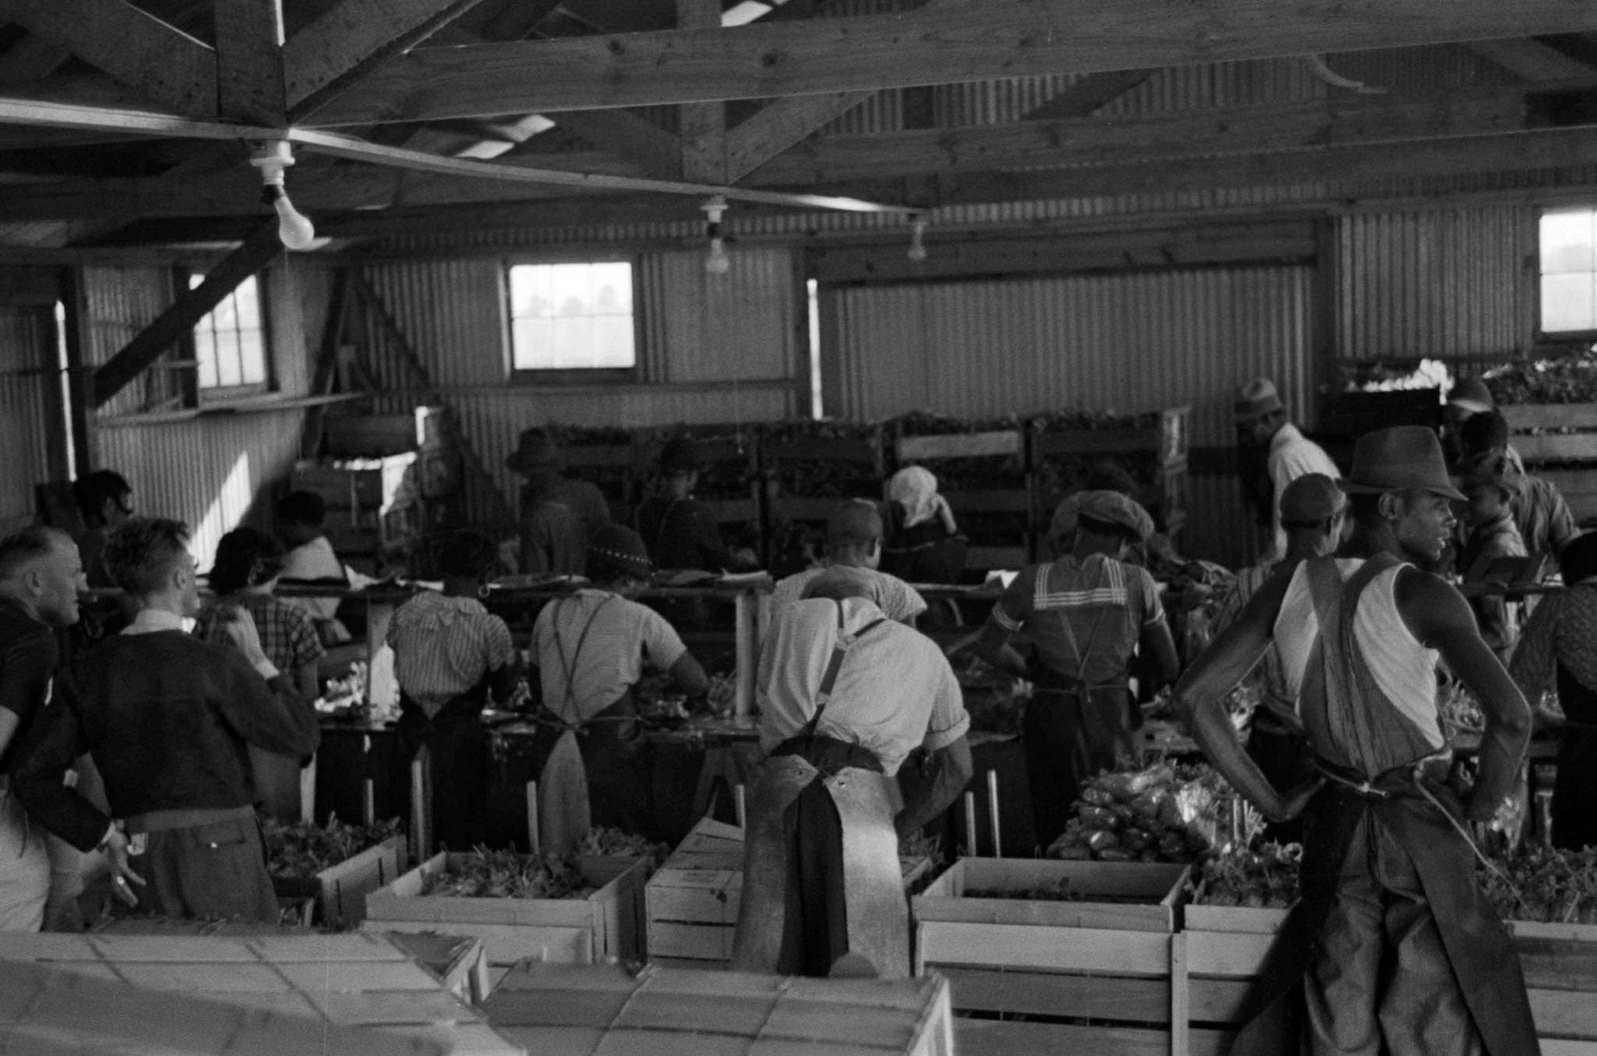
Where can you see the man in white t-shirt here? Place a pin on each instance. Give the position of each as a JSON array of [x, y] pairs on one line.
[[853, 541], [845, 695], [310, 558], [1262, 423]]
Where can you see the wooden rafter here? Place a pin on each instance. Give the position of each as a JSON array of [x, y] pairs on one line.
[[655, 151], [31, 59], [249, 61], [1088, 94], [1012, 38], [137, 355], [774, 128], [164, 64], [703, 124], [332, 53]]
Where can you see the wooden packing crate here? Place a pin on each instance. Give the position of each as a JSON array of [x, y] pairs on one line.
[[693, 899], [1224, 947], [560, 1010], [567, 930], [361, 484], [1087, 975], [1531, 427], [1167, 438], [998, 443], [1579, 488], [340, 890]]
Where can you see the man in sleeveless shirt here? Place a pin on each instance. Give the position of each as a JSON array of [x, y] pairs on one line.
[[1394, 944], [1087, 612], [846, 694]]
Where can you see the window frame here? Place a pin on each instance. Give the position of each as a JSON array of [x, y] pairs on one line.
[[1542, 333], [570, 377], [204, 394]]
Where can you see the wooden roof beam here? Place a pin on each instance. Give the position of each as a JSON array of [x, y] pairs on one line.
[[148, 344], [164, 64], [333, 53], [1088, 94], [31, 59], [998, 39], [249, 61], [703, 125], [1531, 59]]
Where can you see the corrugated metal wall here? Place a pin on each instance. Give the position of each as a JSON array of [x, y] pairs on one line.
[[206, 471], [26, 345], [1124, 343], [1437, 282], [714, 348]]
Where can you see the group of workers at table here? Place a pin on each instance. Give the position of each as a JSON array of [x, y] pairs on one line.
[[176, 738]]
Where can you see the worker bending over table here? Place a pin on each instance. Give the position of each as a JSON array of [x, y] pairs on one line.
[[167, 719], [845, 695], [450, 655], [1394, 944], [591, 647], [853, 540]]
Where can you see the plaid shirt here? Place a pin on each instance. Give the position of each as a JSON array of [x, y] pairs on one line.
[[1543, 517], [288, 635], [1561, 630]]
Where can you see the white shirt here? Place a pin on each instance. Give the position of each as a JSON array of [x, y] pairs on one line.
[[313, 560], [621, 637], [893, 596], [1292, 455], [894, 692]]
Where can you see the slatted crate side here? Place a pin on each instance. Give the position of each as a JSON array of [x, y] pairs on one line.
[[340, 890], [1106, 952], [1157, 886], [990, 1037], [999, 443], [1166, 439]]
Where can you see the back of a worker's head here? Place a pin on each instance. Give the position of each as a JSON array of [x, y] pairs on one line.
[[854, 534]]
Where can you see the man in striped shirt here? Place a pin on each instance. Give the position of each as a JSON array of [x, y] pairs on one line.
[[1086, 613]]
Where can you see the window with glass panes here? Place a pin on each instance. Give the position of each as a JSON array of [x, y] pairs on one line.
[[1569, 271], [230, 343], [572, 316]]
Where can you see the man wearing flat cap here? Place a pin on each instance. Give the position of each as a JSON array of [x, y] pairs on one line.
[[1393, 947], [591, 647], [557, 514], [1262, 426], [1086, 612]]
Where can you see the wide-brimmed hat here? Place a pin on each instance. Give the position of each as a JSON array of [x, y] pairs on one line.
[[1311, 499], [1111, 507], [1398, 459], [534, 451], [1471, 394], [1255, 400], [615, 549]]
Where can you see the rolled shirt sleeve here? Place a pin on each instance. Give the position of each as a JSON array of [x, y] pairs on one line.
[[949, 720], [661, 643]]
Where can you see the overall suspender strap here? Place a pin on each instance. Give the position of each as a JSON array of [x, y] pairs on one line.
[[568, 666], [833, 666]]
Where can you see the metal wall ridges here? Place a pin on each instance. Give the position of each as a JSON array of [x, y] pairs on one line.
[[118, 302], [206, 472], [26, 344], [1122, 343], [1435, 282]]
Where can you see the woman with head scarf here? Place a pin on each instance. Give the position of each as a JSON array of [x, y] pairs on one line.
[[1555, 650], [923, 542]]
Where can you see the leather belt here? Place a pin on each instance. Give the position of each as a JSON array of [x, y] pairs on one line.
[[166, 820]]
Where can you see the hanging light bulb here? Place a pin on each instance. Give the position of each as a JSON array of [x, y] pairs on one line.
[[293, 226], [917, 239], [716, 261]]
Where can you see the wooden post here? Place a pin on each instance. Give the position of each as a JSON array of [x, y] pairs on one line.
[[1180, 997], [970, 824], [534, 838], [992, 812], [368, 802], [307, 792], [418, 807], [740, 801], [748, 650]]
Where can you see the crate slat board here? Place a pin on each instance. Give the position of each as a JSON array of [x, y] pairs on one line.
[[996, 519], [1224, 947], [569, 930], [120, 993], [693, 898], [1090, 974], [558, 1010], [340, 890]]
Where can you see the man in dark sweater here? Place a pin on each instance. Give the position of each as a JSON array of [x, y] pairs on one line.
[[167, 718], [40, 575]]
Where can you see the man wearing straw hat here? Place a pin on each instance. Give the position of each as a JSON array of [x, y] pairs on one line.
[[1262, 424], [846, 694], [1393, 942]]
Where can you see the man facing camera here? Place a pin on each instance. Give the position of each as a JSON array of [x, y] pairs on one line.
[[168, 720]]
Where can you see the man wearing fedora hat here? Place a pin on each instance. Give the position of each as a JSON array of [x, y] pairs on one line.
[[1388, 878], [1262, 425], [557, 514]]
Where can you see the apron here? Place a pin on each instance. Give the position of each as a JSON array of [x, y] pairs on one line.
[[455, 763], [812, 774], [1422, 814], [596, 778], [1575, 786], [1071, 731]]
